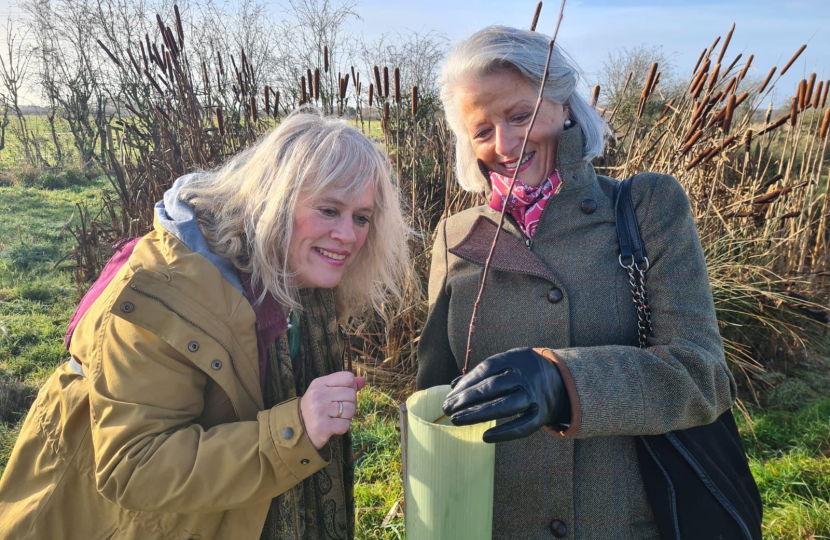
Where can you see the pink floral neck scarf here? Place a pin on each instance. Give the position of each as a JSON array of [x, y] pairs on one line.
[[526, 202]]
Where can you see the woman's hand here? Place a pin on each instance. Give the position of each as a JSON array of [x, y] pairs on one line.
[[519, 381], [321, 406]]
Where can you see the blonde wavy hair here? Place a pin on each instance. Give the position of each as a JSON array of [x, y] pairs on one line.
[[246, 209]]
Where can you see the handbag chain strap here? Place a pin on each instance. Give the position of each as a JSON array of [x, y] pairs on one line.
[[637, 279]]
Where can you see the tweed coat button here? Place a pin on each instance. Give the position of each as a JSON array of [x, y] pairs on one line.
[[127, 307], [588, 206], [305, 461], [554, 295], [558, 528], [193, 346], [216, 365], [287, 433]]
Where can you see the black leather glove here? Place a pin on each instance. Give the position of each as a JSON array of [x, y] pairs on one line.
[[519, 381]]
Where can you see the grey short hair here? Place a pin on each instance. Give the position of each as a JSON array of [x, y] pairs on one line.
[[496, 49]]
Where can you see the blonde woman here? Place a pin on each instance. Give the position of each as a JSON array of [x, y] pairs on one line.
[[206, 396]]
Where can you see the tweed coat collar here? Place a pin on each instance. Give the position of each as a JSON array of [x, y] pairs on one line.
[[511, 252]]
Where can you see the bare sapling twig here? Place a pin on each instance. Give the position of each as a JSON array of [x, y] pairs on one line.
[[510, 192]]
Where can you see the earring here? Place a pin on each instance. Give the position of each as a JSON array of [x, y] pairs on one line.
[[568, 123]]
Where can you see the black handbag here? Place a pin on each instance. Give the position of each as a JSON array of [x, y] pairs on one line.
[[697, 480]]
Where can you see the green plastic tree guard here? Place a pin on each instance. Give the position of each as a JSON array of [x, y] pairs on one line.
[[449, 474]]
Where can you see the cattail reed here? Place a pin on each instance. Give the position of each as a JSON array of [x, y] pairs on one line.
[[385, 82], [766, 81], [808, 93], [688, 146], [134, 63], [699, 60], [800, 93], [712, 47], [371, 93], [220, 121], [595, 96], [775, 125], [267, 98], [725, 45], [276, 104], [714, 77], [817, 96], [793, 59], [668, 106], [326, 58], [824, 95], [536, 17], [746, 67], [112, 56], [697, 82], [304, 97], [734, 62], [730, 109], [652, 72], [253, 108], [385, 114], [748, 140], [179, 28], [794, 111], [316, 84], [354, 76], [415, 99], [397, 74], [825, 124], [378, 85]]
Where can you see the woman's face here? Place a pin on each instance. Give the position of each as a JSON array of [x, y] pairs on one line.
[[496, 110], [329, 230]]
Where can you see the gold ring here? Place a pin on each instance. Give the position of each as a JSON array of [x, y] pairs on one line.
[[340, 410]]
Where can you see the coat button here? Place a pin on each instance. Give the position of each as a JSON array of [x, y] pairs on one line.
[[305, 461], [554, 295], [127, 307], [287, 433], [588, 206], [193, 346], [558, 528], [216, 365]]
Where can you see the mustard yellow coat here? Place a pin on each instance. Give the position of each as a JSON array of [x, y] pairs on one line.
[[164, 436]]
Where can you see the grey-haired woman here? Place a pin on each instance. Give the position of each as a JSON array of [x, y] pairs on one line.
[[556, 336]]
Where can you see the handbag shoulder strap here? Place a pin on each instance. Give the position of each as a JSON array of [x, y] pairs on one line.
[[633, 255]]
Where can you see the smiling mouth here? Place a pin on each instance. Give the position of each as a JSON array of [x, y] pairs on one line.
[[512, 164], [331, 255]]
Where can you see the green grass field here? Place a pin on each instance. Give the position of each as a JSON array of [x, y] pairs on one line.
[[788, 439]]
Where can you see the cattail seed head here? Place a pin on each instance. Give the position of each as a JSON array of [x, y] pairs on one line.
[[253, 108], [179, 28], [316, 84], [415, 100], [378, 85], [800, 93], [766, 81], [354, 77], [808, 94], [817, 96], [276, 104], [536, 17], [668, 106], [825, 124], [824, 95], [595, 96], [397, 73], [699, 60], [627, 80], [220, 121], [746, 67], [730, 109], [266, 94], [714, 77], [304, 97], [326, 58], [793, 59], [726, 43], [371, 93], [794, 111], [748, 140], [385, 82], [729, 69]]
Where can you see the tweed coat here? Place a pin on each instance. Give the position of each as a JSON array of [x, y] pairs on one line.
[[565, 292]]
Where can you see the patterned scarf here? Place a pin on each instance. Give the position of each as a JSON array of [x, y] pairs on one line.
[[526, 202], [322, 505]]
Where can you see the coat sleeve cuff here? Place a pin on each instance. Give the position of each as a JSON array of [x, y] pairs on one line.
[[576, 411], [290, 440]]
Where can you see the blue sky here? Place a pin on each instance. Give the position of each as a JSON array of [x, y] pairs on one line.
[[772, 31]]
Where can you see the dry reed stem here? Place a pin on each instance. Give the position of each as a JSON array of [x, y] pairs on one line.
[[793, 59], [489, 259], [536, 17]]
